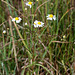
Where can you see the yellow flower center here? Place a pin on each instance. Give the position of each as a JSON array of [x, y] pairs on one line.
[[39, 23], [16, 18], [30, 3], [51, 16]]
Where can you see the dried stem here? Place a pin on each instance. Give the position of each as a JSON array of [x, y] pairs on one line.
[[27, 49], [13, 45]]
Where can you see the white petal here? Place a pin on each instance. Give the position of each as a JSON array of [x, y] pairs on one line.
[[41, 25], [30, 6], [13, 19], [35, 26], [49, 18], [20, 18], [27, 3], [18, 21], [54, 17], [35, 21]]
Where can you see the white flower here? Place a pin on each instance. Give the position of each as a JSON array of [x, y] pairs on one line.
[[17, 19], [25, 23], [4, 31], [35, 23], [38, 24], [51, 17], [25, 8], [64, 36], [7, 28], [29, 4]]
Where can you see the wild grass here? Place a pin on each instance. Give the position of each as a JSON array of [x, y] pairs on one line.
[[26, 50]]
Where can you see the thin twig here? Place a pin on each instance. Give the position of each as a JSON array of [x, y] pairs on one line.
[[61, 42], [3, 23], [40, 6], [42, 44]]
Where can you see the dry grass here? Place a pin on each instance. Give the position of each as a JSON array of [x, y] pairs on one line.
[[25, 50]]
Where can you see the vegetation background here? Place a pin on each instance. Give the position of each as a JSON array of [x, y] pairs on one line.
[[25, 50]]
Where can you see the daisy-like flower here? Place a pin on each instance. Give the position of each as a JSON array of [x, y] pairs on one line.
[[4, 31], [25, 8], [7, 28], [38, 24], [64, 36], [26, 23], [29, 4], [17, 19], [51, 17]]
